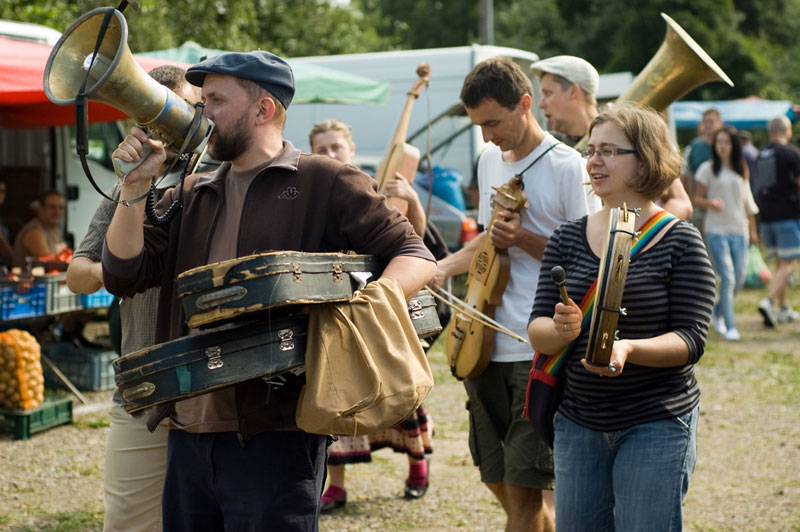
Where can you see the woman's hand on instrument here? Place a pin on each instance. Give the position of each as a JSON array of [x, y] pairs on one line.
[[399, 187], [619, 355], [567, 320], [132, 149], [506, 230]]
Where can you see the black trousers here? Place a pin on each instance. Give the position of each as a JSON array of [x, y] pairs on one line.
[[272, 482]]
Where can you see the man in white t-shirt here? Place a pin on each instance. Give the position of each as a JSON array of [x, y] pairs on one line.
[[515, 463]]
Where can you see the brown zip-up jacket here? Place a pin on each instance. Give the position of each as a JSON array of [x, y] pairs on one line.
[[300, 203]]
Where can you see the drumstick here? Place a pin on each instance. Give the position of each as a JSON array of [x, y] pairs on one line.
[[560, 278]]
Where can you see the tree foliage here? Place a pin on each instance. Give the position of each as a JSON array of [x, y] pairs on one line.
[[286, 27], [753, 42]]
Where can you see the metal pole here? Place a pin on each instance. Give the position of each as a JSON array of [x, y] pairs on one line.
[[489, 21]]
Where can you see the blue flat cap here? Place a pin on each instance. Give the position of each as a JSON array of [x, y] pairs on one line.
[[267, 70]]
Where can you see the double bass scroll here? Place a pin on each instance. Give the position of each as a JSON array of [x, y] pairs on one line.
[[403, 158]]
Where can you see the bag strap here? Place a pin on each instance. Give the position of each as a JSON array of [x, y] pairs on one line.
[[651, 228]]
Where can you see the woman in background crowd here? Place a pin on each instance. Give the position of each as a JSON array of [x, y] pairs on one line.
[[722, 189]]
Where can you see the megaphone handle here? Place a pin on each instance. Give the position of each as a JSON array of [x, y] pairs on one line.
[[123, 168]]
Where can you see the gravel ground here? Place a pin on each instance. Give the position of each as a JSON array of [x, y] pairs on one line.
[[747, 478]]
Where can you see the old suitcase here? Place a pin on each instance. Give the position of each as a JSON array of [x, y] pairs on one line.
[[422, 309], [237, 288], [198, 364], [208, 361]]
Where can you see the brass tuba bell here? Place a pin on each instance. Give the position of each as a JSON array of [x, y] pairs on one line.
[[679, 66], [117, 80]]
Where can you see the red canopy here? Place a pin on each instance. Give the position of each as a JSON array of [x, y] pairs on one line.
[[23, 103]]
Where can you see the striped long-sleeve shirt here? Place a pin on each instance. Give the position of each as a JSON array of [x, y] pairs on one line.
[[670, 287]]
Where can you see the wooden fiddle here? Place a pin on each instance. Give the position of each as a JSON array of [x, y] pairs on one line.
[[403, 158], [470, 343]]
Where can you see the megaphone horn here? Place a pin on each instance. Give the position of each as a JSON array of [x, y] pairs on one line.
[[117, 80]]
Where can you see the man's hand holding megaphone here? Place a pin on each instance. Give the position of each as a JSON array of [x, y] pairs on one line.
[[150, 155]]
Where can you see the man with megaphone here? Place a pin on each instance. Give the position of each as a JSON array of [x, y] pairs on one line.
[[235, 458]]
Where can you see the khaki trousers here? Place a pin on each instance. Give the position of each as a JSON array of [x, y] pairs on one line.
[[136, 463]]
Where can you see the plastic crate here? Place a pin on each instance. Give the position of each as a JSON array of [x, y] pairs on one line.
[[101, 298], [24, 423], [88, 369], [60, 298], [21, 300]]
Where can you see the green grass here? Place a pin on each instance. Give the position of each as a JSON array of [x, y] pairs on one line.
[[78, 521]]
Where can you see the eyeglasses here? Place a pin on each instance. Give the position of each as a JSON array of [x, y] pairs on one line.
[[605, 153]]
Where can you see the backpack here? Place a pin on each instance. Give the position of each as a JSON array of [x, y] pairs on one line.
[[766, 168]]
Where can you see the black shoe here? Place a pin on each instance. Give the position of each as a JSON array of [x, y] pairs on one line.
[[415, 491]]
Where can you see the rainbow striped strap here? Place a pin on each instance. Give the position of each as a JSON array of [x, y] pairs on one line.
[[552, 364]]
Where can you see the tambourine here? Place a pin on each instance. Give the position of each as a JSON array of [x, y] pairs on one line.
[[610, 285]]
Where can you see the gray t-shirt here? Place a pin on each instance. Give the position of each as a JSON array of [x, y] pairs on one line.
[[137, 313], [735, 192]]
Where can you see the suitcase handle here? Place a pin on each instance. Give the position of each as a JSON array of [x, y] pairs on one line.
[[140, 391], [225, 295]]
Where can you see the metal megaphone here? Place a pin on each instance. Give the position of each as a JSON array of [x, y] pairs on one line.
[[117, 80]]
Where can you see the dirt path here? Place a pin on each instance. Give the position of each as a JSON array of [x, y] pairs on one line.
[[747, 478]]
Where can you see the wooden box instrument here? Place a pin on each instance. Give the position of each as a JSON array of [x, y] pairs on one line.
[[238, 288], [208, 361], [611, 277]]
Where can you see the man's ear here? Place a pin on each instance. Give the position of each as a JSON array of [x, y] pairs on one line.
[[266, 109], [575, 92], [525, 102]]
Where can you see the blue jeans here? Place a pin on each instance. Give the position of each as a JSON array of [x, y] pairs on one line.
[[729, 256], [630, 480]]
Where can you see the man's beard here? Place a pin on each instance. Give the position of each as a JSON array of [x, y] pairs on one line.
[[227, 147]]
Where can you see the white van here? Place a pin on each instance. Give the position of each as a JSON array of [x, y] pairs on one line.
[[374, 125]]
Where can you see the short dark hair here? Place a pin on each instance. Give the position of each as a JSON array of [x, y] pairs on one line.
[[499, 79], [170, 76]]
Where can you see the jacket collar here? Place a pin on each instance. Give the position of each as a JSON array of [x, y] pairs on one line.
[[287, 159]]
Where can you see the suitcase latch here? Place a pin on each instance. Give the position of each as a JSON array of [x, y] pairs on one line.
[[286, 336], [415, 309], [337, 273], [298, 273], [214, 355]]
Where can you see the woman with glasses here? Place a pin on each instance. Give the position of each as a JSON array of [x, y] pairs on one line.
[[723, 190], [625, 433]]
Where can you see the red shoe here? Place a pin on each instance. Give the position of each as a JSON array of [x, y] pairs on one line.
[[333, 498]]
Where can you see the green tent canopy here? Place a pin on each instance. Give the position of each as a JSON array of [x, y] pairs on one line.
[[313, 83]]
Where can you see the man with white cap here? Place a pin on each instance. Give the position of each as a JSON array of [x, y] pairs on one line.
[[235, 457], [569, 87]]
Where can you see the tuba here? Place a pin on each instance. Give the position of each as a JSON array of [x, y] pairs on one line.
[[679, 66]]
